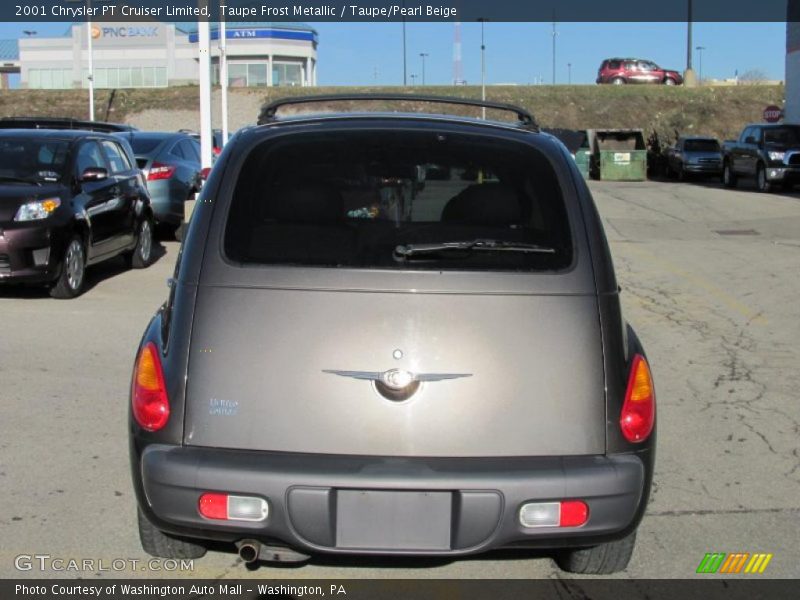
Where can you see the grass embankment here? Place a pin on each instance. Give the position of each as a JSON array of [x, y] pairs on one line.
[[716, 111]]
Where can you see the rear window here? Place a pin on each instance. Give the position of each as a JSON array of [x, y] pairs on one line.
[[701, 146], [144, 145], [398, 200]]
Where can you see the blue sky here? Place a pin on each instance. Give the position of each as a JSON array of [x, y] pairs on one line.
[[370, 53]]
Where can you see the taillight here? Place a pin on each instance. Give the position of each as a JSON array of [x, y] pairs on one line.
[[217, 150], [226, 507], [149, 394], [639, 408], [204, 173], [160, 171]]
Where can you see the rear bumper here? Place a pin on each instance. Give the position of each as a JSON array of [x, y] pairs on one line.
[[166, 200], [306, 496], [31, 253]]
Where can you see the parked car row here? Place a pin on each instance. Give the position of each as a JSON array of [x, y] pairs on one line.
[[74, 193], [769, 154]]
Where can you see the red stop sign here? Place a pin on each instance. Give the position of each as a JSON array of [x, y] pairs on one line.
[[772, 114]]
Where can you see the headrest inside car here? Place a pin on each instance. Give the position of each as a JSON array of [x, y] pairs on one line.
[[305, 203], [492, 204]]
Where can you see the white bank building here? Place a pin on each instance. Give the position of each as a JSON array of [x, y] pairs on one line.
[[155, 54]]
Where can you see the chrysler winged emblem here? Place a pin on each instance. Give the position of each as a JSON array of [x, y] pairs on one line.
[[396, 384]]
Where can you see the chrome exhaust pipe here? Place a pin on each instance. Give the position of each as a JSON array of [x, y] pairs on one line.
[[249, 550]]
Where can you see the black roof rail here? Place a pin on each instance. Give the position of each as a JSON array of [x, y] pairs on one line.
[[269, 111], [62, 123]]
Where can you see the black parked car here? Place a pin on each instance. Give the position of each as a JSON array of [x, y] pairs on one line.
[[69, 199], [768, 153], [351, 362]]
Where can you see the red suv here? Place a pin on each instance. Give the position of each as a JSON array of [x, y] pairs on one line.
[[633, 70]]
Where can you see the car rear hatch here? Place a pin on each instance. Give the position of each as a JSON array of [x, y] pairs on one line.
[[341, 331]]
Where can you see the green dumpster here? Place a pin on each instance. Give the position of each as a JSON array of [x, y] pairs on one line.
[[582, 160], [618, 154]]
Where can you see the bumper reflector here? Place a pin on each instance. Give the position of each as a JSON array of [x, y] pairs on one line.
[[569, 513], [233, 508]]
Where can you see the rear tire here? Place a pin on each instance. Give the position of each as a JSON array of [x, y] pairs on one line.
[[618, 81], [142, 255], [598, 560], [73, 271], [728, 176], [157, 543]]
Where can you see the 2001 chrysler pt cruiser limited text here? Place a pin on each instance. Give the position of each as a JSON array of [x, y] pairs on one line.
[[393, 334]]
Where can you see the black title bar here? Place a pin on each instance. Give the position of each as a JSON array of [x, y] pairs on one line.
[[399, 10]]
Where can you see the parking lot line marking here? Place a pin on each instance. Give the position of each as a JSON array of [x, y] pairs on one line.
[[730, 301]]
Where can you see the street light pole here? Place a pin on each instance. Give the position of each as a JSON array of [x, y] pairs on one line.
[[700, 62], [569, 73], [223, 74], [423, 55], [90, 49]]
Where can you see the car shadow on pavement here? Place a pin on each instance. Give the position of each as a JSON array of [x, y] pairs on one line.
[[95, 275], [742, 186]]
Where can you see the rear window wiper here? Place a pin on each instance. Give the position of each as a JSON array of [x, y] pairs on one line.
[[406, 251], [20, 180]]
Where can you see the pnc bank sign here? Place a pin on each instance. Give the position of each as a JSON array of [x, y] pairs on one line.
[[124, 32]]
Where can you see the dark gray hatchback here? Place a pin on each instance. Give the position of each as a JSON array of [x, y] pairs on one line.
[[394, 334]]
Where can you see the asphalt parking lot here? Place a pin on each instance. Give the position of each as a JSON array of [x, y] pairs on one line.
[[710, 280]]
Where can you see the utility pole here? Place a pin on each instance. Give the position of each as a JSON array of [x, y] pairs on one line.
[[223, 73], [483, 68], [204, 39], [569, 73], [405, 66], [423, 55], [689, 79]]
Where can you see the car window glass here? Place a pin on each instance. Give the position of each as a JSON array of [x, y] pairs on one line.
[[116, 158], [701, 146], [90, 156], [782, 135], [614, 64], [187, 150], [351, 199], [177, 151], [40, 160], [197, 151]]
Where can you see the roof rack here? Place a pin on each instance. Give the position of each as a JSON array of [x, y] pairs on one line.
[[269, 111], [62, 123]]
